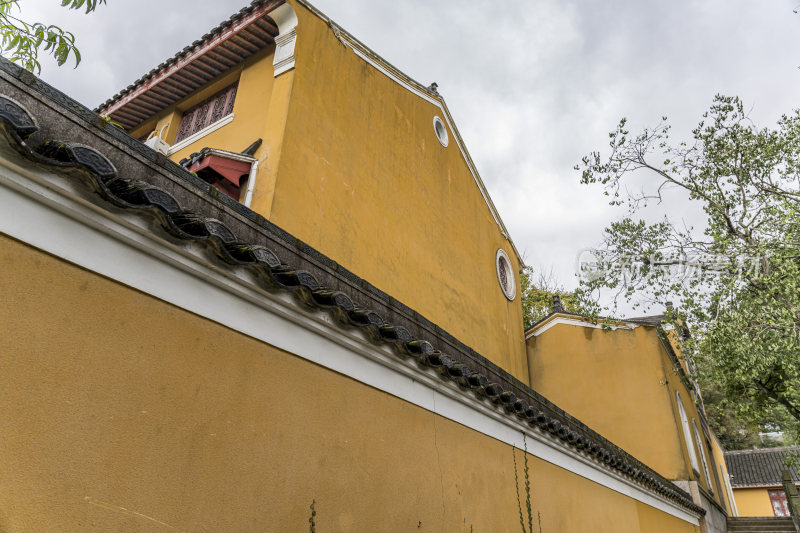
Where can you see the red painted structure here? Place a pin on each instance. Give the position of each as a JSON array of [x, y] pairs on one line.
[[222, 172]]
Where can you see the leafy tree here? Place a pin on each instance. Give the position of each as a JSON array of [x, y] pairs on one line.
[[538, 289], [732, 433], [736, 278], [23, 40], [739, 431]]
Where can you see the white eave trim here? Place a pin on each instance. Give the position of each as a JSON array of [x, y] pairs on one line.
[[576, 321], [177, 147], [231, 155], [50, 212]]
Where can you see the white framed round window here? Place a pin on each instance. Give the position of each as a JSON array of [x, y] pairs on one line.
[[441, 131], [505, 274]]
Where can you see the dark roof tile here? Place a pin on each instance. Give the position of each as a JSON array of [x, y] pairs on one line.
[[760, 467]]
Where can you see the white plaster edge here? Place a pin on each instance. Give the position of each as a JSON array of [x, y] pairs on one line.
[[725, 477], [443, 141], [44, 211], [286, 20], [576, 322], [194, 137], [232, 155], [511, 293]]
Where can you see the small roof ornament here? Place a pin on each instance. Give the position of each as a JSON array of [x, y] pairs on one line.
[[557, 307]]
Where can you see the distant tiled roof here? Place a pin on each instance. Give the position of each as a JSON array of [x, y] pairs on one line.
[[652, 320], [759, 467]]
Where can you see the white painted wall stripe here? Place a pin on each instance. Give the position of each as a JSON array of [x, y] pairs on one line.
[[575, 321], [45, 211]]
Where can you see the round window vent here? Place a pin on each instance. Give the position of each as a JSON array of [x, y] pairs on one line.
[[441, 131], [505, 275]]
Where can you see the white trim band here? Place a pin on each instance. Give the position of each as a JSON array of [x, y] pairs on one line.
[[541, 328]]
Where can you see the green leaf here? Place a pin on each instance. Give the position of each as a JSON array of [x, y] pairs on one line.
[[741, 293], [23, 41]]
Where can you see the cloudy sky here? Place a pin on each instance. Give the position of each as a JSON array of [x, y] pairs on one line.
[[533, 85]]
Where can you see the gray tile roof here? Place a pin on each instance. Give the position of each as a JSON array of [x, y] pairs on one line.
[[652, 320], [759, 467]]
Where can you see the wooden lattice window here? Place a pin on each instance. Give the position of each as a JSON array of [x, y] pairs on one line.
[[207, 112], [780, 504]]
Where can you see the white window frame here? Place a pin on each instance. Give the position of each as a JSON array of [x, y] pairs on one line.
[[510, 287], [726, 481], [702, 456], [687, 434], [441, 131]]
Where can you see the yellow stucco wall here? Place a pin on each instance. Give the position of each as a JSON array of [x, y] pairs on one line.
[[123, 413], [607, 380], [722, 474], [753, 502], [350, 165], [363, 178], [623, 385]]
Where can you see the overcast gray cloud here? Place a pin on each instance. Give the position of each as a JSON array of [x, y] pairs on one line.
[[532, 85]]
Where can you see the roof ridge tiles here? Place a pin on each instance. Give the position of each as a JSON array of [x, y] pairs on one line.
[[750, 451]]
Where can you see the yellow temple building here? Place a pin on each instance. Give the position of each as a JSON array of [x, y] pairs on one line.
[[283, 299], [629, 381], [757, 480]]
